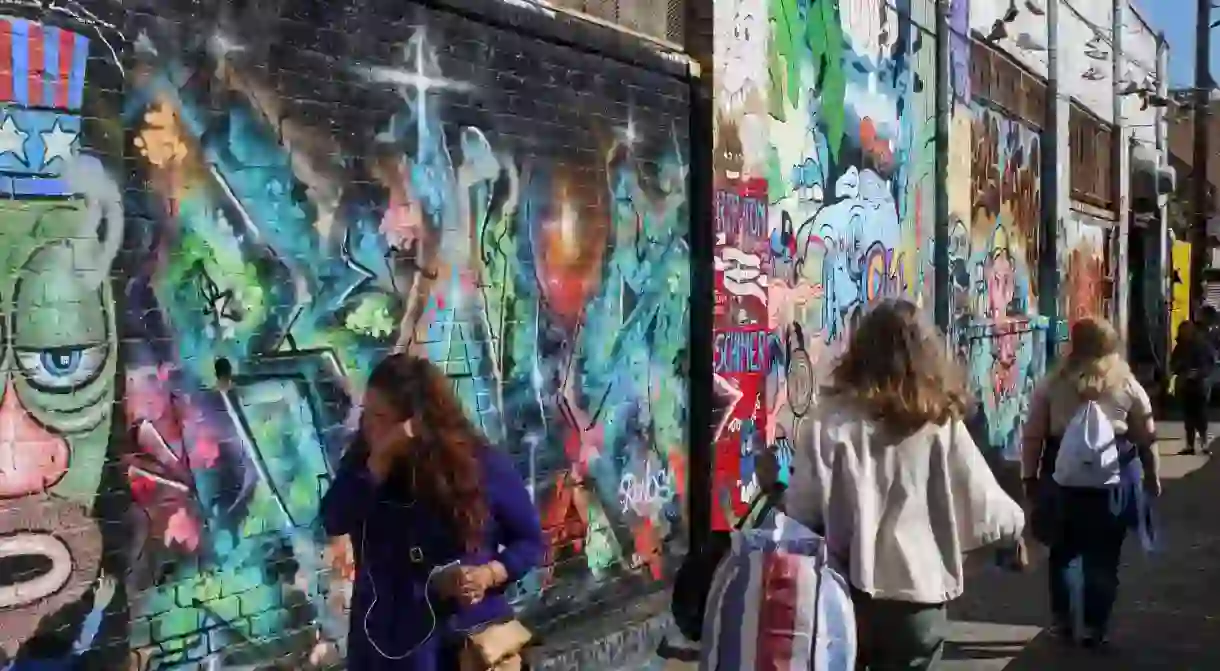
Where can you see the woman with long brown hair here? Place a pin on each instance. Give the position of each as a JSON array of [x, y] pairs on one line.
[[440, 521], [894, 481]]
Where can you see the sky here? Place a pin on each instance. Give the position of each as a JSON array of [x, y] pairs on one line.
[[1177, 19]]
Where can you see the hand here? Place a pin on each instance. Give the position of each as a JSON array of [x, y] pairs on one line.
[[1030, 489], [449, 582], [1152, 486], [103, 591], [475, 581], [469, 584]]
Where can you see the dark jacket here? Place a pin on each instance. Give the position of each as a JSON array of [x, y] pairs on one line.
[[397, 541], [1193, 360]]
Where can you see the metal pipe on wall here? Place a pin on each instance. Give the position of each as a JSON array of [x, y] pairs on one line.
[[1122, 172], [1056, 174], [944, 102], [1200, 161]]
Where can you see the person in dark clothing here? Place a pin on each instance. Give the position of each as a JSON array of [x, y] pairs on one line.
[[1192, 362], [440, 521]]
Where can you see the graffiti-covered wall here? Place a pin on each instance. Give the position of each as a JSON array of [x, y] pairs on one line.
[[994, 233], [297, 189], [1086, 289], [825, 132]]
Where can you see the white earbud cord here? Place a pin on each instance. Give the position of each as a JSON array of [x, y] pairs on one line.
[[427, 599]]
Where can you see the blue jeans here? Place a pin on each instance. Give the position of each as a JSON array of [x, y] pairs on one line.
[[1093, 534]]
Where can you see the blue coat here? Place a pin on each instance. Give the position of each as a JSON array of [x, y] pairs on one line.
[[398, 540]]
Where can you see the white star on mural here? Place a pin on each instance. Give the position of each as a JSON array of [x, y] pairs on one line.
[[12, 139], [58, 143]]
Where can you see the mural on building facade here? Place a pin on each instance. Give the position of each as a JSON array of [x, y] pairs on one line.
[[848, 180], [740, 343], [1085, 291], [253, 232], [59, 360], [995, 215]]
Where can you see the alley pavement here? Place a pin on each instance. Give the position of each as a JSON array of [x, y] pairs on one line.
[[1168, 611]]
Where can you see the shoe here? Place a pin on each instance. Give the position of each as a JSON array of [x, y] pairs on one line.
[[1063, 633], [1187, 452], [1096, 643]]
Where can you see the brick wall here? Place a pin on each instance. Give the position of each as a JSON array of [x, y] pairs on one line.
[[297, 188]]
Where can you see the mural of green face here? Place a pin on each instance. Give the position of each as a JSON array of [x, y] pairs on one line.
[[59, 358], [58, 354]]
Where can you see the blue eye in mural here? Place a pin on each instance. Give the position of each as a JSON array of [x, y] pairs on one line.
[[62, 368]]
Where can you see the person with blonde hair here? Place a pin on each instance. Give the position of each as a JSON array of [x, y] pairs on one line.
[[1092, 400], [897, 486]]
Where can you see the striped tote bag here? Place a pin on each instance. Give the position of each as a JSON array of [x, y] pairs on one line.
[[776, 604]]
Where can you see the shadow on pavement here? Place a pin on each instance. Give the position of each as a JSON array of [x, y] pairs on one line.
[[1168, 611]]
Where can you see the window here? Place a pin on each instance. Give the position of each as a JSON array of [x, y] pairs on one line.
[[656, 19], [997, 78], [1091, 143]]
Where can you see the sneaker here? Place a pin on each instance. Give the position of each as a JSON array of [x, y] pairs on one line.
[[1187, 452], [1063, 633], [1096, 643]]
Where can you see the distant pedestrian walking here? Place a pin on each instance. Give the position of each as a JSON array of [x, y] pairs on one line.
[[1193, 362], [1089, 421], [897, 485]]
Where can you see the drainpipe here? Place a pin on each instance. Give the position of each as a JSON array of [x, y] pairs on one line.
[[944, 102], [1056, 193], [1122, 173], [1165, 290]]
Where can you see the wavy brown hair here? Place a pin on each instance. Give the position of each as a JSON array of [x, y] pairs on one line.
[[445, 456], [896, 369]]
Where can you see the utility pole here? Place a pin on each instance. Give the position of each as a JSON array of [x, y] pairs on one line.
[[1121, 166], [1200, 163]]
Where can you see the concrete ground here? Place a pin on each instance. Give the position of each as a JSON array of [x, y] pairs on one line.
[[1168, 611]]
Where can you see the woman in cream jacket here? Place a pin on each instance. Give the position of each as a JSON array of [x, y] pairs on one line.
[[893, 480]]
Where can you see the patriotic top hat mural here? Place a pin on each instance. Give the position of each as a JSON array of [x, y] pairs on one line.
[[42, 85]]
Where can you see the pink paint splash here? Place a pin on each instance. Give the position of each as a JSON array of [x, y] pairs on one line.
[[205, 451], [148, 398], [402, 224], [1001, 288], [784, 300], [182, 529], [143, 489]]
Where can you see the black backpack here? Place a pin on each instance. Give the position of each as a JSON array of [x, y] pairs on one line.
[[694, 578]]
